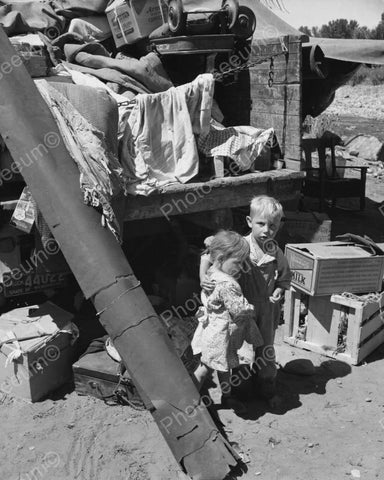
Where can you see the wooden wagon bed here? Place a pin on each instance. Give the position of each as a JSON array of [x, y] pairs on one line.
[[220, 193]]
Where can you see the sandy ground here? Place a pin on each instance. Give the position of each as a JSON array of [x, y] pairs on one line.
[[330, 426], [360, 101]]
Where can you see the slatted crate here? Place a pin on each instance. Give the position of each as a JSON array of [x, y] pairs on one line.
[[347, 328]]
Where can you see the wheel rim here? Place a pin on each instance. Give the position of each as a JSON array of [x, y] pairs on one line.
[[232, 8]]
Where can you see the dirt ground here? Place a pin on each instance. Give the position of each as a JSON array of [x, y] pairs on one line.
[[330, 426]]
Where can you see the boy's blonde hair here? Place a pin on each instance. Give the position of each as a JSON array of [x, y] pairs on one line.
[[267, 206], [228, 244]]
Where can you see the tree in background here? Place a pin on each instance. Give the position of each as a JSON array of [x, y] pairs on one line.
[[342, 28], [378, 32], [306, 31], [339, 28]]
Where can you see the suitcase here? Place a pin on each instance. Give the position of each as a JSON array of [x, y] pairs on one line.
[[96, 374]]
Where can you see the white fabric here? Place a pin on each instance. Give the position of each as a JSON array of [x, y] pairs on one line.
[[159, 144], [242, 143]]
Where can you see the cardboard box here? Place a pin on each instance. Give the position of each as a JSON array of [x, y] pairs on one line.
[[41, 361], [131, 20], [348, 329], [305, 227], [334, 267]]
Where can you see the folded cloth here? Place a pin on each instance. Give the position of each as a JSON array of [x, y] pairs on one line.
[[148, 70], [111, 75], [91, 29], [158, 147]]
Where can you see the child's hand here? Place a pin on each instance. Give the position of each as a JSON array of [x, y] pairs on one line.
[[207, 285], [277, 295], [208, 241]]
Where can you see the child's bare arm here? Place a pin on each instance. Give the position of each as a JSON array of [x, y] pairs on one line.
[[205, 283], [205, 263]]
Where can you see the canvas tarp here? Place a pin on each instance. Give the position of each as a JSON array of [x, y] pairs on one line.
[[352, 50]]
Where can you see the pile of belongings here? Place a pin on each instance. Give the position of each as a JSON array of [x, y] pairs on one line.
[[140, 132]]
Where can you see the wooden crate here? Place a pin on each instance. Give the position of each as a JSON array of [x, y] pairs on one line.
[[347, 329]]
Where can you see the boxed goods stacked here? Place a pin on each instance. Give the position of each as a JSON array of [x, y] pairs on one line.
[[323, 312]]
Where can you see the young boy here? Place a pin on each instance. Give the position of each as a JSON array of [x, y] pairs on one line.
[[263, 282]]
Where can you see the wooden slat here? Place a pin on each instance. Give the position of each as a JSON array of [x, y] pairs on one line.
[[279, 106], [281, 76], [319, 329], [277, 92], [281, 125], [227, 192], [293, 164], [343, 357], [273, 47], [370, 346]]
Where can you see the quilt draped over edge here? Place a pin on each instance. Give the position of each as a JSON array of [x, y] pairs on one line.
[[101, 175]]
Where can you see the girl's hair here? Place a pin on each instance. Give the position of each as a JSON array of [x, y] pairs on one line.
[[228, 244], [268, 206]]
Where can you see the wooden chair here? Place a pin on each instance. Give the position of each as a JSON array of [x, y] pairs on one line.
[[325, 182]]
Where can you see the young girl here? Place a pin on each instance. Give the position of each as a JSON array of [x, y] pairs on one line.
[[227, 334]]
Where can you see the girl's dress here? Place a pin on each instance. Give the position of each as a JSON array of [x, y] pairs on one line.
[[227, 334]]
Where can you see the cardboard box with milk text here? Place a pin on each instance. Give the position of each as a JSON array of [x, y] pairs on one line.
[[334, 267]]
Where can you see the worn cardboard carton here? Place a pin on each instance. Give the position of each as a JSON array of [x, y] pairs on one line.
[[41, 360], [334, 267], [131, 20]]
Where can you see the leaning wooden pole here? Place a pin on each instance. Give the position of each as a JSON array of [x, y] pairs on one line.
[[104, 274]]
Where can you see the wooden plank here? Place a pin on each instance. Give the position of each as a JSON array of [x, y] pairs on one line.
[[370, 346], [296, 311], [343, 357], [279, 106], [376, 318], [288, 313], [319, 321], [285, 129], [272, 47], [292, 312], [227, 192], [293, 164], [281, 76], [277, 92], [296, 151]]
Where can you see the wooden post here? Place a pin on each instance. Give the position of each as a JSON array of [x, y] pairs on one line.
[[104, 274]]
